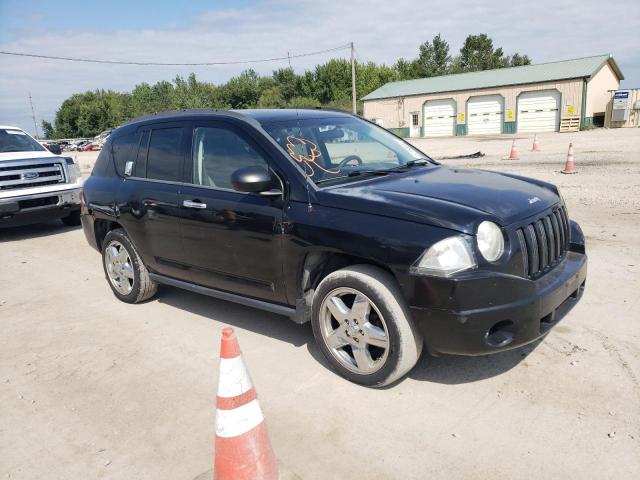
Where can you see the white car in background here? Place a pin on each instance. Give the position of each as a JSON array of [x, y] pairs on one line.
[[35, 184]]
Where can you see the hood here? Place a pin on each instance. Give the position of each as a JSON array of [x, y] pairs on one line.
[[453, 198], [27, 155]]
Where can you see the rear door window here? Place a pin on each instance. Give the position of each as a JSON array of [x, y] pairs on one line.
[[164, 157], [140, 168]]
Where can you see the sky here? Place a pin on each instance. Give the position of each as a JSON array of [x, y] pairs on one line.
[[209, 31]]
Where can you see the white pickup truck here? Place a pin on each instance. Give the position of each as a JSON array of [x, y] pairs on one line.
[[35, 185]]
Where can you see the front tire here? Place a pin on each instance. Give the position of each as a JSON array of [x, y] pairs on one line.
[[363, 326], [127, 276]]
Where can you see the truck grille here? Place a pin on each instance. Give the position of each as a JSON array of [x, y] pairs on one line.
[[35, 175], [544, 242]]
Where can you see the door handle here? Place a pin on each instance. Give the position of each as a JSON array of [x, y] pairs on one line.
[[194, 204]]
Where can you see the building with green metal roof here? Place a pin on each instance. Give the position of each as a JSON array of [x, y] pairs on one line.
[[556, 96]]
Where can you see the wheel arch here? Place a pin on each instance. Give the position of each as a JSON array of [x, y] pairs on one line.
[[315, 266], [102, 227]]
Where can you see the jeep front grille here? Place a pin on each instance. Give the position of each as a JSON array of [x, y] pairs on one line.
[[34, 175], [544, 242]]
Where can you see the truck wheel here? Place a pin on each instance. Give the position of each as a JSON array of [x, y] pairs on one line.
[[72, 220], [363, 326], [126, 274]]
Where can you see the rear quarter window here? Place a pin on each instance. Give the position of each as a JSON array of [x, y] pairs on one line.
[[125, 148], [104, 165]]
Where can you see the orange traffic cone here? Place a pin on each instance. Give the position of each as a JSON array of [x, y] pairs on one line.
[[513, 155], [536, 144], [568, 167], [243, 450]]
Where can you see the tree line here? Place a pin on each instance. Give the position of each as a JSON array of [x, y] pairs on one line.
[[327, 85]]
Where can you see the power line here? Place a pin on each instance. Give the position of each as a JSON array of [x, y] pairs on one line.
[[204, 64]]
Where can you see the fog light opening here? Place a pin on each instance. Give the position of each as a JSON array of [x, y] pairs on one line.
[[499, 335], [547, 322]]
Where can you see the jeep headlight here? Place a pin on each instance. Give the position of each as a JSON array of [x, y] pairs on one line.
[[448, 256], [490, 241]]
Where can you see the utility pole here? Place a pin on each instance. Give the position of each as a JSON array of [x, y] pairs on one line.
[[353, 78], [33, 115]]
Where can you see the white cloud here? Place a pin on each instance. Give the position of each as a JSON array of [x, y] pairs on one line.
[[382, 31]]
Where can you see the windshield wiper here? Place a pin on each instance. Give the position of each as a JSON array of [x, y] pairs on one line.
[[384, 171], [417, 162], [356, 173]]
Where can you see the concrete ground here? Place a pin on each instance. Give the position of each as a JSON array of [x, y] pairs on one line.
[[94, 388]]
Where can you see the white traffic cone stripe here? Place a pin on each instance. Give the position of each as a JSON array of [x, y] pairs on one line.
[[232, 423], [234, 377]]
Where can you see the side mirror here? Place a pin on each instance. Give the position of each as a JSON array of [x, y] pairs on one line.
[[253, 179]]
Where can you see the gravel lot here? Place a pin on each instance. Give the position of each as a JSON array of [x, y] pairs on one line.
[[94, 388]]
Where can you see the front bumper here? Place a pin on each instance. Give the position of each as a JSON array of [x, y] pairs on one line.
[[38, 207], [494, 312]]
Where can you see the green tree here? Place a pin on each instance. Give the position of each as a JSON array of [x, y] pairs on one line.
[[271, 98], [328, 84], [288, 83], [518, 60], [242, 91], [302, 102], [332, 80], [478, 53], [47, 130], [433, 59], [405, 69]]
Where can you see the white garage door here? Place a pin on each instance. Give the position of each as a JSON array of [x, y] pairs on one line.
[[485, 115], [439, 118], [539, 111]]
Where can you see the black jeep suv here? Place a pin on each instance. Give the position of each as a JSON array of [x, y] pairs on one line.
[[323, 216]]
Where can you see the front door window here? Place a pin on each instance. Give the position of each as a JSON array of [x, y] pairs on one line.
[[217, 153]]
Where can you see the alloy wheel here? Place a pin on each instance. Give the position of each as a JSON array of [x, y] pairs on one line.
[[119, 267], [354, 330]]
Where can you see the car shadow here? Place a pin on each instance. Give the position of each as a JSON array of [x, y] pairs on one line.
[[456, 369], [450, 370], [236, 315], [34, 230]]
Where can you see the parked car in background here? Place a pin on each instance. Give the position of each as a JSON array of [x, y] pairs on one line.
[[76, 145], [328, 218], [35, 184], [53, 147]]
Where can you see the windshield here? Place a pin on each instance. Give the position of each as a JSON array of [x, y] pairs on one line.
[[334, 148], [13, 140]]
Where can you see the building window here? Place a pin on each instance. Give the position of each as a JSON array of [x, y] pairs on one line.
[[414, 119]]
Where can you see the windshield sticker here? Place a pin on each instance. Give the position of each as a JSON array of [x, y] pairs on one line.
[[15, 132], [306, 152]]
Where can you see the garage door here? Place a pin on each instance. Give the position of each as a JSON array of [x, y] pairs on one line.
[[539, 111], [485, 115], [439, 118]]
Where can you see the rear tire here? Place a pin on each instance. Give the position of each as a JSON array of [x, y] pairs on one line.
[[363, 326], [126, 274], [72, 220]]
